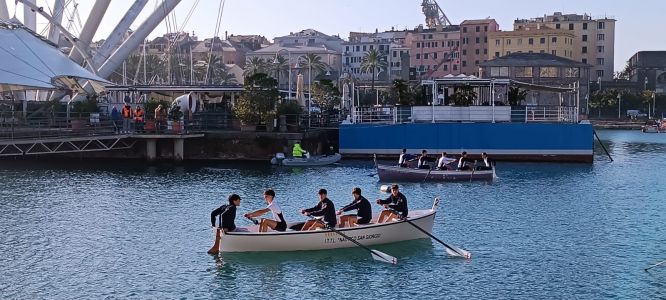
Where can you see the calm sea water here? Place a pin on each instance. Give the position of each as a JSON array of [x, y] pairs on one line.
[[82, 230]]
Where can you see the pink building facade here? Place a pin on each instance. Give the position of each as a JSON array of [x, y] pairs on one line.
[[434, 52], [474, 44]]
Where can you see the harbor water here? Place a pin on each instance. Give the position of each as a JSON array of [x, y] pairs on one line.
[[82, 229]]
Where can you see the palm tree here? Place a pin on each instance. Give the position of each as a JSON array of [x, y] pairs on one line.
[[401, 89], [254, 65], [279, 66], [313, 62], [373, 61]]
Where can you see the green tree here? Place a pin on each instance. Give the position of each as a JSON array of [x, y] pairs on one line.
[[373, 61], [313, 62], [516, 96], [257, 102], [280, 67], [400, 92], [325, 94], [604, 99], [464, 95]]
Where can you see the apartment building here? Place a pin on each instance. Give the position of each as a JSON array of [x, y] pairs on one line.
[[535, 39], [474, 44], [434, 52], [596, 37], [389, 43]]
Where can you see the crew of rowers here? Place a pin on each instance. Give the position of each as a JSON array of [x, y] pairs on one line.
[[323, 215], [444, 162]]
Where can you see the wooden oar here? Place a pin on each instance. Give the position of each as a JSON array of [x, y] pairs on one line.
[[376, 254], [451, 250], [602, 145], [473, 169], [216, 246], [427, 175], [656, 265]]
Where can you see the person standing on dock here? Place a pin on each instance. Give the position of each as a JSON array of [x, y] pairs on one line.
[[297, 151], [127, 118], [138, 118], [160, 117], [395, 202], [364, 210], [277, 223], [325, 209], [226, 214], [115, 118]]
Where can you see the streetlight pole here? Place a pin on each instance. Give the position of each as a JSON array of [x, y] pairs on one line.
[[309, 90], [619, 101], [276, 62]]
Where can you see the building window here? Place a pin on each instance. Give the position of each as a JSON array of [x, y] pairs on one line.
[[434, 55], [571, 26], [455, 67], [477, 51], [584, 26], [435, 44], [584, 50], [523, 72], [476, 62], [600, 73], [557, 26], [485, 28], [584, 60], [600, 49], [347, 60], [520, 41], [499, 72], [478, 40], [425, 56], [464, 63], [553, 40], [446, 67], [365, 48], [584, 37], [372, 47], [508, 52], [358, 48], [553, 52], [497, 54], [478, 28], [395, 54], [542, 40], [485, 39], [530, 41], [600, 61], [485, 51], [497, 42], [571, 72], [347, 48], [464, 29], [601, 25], [548, 72], [464, 52], [418, 56], [600, 37], [430, 36], [508, 41]]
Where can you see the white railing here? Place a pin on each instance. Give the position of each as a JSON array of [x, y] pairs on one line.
[[443, 114]]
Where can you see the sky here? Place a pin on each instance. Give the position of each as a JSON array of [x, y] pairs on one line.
[[639, 24]]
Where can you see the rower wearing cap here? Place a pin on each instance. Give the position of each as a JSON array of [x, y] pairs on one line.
[[226, 214], [395, 202], [364, 210], [277, 223], [324, 208]]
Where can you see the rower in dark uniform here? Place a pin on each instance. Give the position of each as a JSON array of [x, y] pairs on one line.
[[423, 159], [324, 208], [226, 214], [462, 162], [364, 210], [487, 163], [395, 202]]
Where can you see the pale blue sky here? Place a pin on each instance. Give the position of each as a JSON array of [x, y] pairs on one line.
[[639, 26]]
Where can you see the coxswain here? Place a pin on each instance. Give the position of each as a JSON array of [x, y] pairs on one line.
[[487, 163], [226, 214], [325, 209], [277, 223], [362, 205], [395, 202]]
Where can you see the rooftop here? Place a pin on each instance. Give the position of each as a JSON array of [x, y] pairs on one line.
[[532, 60]]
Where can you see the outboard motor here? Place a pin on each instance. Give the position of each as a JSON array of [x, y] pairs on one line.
[[277, 160]]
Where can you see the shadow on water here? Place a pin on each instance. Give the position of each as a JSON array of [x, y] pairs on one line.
[[402, 251]]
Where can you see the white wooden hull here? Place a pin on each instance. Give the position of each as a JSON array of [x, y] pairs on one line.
[[372, 234]]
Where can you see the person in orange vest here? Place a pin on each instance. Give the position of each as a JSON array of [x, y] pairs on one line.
[[127, 118], [138, 118]]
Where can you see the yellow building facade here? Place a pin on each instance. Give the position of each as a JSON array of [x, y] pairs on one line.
[[538, 39]]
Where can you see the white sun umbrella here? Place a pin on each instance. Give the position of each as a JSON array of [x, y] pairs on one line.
[[300, 93]]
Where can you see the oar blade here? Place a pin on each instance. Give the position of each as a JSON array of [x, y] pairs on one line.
[[383, 257], [457, 252]]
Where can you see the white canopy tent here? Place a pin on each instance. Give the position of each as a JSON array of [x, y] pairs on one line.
[[31, 62]]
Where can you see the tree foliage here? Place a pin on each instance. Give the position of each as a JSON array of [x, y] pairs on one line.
[[464, 95], [257, 102], [325, 94], [516, 96], [373, 62]]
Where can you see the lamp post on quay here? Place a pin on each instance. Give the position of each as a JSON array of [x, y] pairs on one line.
[[289, 62]]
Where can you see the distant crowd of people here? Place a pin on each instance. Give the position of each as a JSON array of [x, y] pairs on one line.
[[444, 162], [322, 215], [134, 119]]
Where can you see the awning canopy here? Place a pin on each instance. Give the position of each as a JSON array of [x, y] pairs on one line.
[[29, 62]]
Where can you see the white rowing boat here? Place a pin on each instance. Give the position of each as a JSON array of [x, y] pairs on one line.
[[371, 234]]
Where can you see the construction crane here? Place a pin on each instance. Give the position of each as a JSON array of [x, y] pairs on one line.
[[434, 14]]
